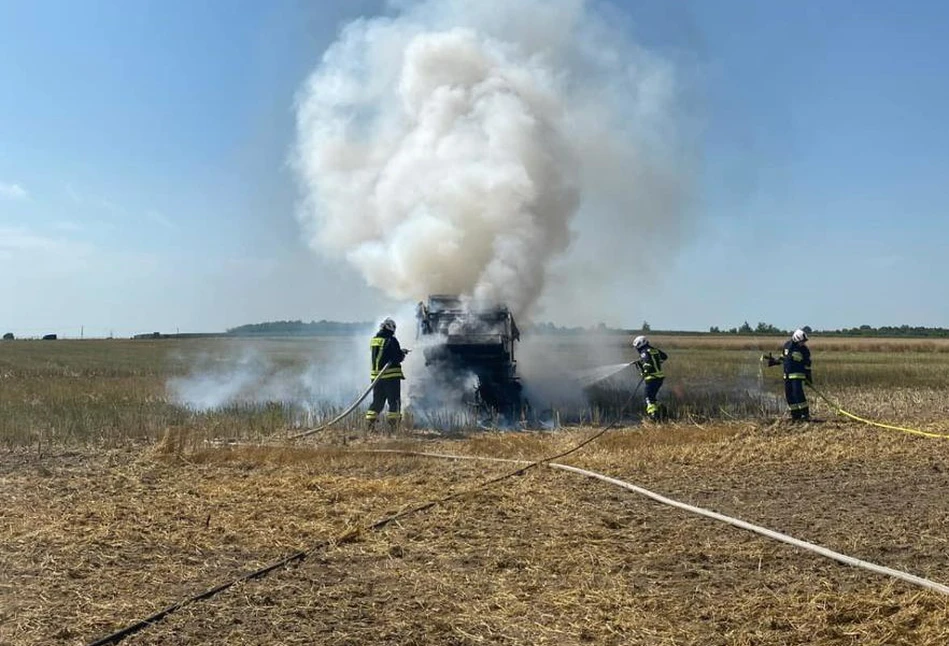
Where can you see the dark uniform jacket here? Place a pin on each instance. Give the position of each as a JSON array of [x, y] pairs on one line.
[[384, 348], [650, 363], [797, 361]]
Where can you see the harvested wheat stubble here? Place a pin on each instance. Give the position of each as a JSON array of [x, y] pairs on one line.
[[94, 542]]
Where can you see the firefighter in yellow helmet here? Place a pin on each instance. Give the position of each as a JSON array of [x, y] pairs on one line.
[[386, 357]]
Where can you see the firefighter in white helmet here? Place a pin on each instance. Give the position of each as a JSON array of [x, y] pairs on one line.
[[386, 357], [650, 367], [796, 359]]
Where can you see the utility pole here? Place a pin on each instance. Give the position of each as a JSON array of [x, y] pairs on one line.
[[82, 331]]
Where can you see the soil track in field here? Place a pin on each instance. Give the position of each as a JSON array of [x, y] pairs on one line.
[[93, 542]]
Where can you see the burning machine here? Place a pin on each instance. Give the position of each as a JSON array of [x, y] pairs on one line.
[[474, 341]]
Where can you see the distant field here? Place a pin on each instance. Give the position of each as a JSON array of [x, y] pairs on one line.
[[107, 391], [816, 343], [113, 504], [78, 392]]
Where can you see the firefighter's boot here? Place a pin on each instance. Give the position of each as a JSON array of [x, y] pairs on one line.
[[653, 412]]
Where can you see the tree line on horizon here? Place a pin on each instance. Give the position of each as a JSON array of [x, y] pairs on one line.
[[342, 328]]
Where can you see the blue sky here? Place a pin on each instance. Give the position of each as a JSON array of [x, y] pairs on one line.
[[144, 183]]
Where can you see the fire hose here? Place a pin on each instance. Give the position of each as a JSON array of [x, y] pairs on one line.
[[734, 522], [840, 411], [346, 412], [366, 394], [351, 534]]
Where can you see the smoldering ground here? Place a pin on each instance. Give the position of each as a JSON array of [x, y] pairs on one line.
[[313, 377], [567, 379], [316, 377], [592, 377]]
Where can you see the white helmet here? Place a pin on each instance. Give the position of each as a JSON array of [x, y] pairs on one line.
[[799, 336], [387, 324], [640, 341]]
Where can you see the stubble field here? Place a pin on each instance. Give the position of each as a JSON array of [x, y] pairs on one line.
[[114, 504]]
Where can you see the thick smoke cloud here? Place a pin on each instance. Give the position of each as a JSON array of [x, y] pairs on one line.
[[463, 147]]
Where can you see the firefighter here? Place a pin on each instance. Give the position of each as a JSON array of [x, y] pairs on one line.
[[424, 322], [796, 359], [384, 349], [650, 367]]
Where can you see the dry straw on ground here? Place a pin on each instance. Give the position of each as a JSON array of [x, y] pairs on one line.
[[113, 504], [94, 542]]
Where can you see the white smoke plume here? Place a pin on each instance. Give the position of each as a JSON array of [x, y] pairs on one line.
[[449, 148]]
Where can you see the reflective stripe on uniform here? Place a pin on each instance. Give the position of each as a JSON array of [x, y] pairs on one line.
[[377, 348], [652, 370], [389, 373], [795, 375]]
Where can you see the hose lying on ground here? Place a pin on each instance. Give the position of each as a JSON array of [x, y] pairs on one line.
[[369, 389], [840, 411], [347, 537], [345, 412], [735, 522]]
